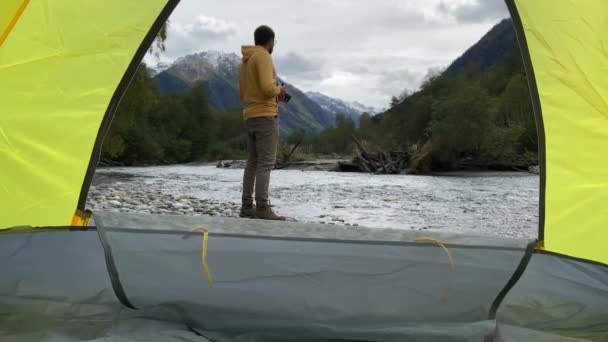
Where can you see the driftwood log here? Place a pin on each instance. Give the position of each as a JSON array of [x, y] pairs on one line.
[[375, 162]]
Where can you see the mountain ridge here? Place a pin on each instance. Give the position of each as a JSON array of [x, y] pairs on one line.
[[352, 110], [493, 48], [218, 72]]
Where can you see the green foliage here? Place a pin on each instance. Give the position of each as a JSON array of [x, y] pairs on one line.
[[336, 139], [475, 118], [394, 101], [296, 137], [140, 97], [115, 146], [159, 44], [369, 130], [230, 139], [500, 144], [152, 129], [460, 122]]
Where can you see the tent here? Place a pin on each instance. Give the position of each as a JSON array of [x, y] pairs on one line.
[[65, 276]]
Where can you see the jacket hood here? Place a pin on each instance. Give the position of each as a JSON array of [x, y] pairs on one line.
[[250, 50]]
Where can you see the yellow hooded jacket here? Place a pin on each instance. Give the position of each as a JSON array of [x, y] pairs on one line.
[[258, 83]]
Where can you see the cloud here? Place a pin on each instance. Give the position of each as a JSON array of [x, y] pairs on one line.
[[342, 79], [294, 64], [374, 87], [474, 11], [357, 50], [395, 82], [206, 27], [369, 79], [199, 33]]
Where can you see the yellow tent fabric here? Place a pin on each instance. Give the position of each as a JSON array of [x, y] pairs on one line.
[[59, 67], [10, 12], [568, 45]]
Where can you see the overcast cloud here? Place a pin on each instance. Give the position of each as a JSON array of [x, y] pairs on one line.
[[356, 50]]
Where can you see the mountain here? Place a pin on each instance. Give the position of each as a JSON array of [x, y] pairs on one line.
[[361, 108], [154, 70], [492, 49], [336, 106], [219, 73], [497, 47], [477, 114]]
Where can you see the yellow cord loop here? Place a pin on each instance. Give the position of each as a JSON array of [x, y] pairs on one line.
[[206, 271], [438, 243]]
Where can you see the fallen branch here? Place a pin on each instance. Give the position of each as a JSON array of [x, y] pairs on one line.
[[287, 157], [385, 162]]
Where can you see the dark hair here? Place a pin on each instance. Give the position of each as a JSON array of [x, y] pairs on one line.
[[263, 35]]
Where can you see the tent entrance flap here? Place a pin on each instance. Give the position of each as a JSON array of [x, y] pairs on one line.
[[564, 45], [49, 124]]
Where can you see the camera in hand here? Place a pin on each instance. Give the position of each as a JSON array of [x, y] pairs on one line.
[[285, 97]]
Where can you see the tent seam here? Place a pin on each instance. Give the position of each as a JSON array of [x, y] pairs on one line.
[[536, 108]]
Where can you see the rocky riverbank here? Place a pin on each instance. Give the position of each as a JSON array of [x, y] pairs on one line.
[[111, 192], [496, 203], [344, 165], [130, 198], [312, 165]]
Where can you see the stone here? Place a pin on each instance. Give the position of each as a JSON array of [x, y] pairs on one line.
[[115, 203]]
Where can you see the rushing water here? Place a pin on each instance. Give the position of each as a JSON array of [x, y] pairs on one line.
[[494, 204]]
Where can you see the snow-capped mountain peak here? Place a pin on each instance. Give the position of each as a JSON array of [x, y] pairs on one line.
[[157, 68], [202, 65], [335, 106], [214, 59], [363, 108]]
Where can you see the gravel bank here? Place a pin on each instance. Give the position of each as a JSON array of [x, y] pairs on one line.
[[128, 197]]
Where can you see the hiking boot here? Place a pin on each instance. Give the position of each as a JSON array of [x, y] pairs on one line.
[[248, 211], [266, 213]]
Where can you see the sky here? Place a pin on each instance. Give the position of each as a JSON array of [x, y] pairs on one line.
[[355, 50]]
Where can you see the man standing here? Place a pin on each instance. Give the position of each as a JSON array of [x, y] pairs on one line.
[[260, 95]]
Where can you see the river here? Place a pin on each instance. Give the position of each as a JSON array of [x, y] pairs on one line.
[[503, 204]]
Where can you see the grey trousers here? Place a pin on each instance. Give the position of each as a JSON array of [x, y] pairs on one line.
[[262, 140]]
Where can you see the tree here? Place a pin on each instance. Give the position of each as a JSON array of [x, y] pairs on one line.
[[200, 126], [345, 127], [160, 43], [515, 106], [367, 127], [139, 98], [394, 102], [230, 138], [460, 122], [404, 95], [515, 111]]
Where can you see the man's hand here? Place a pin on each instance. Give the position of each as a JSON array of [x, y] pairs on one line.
[[283, 92]]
